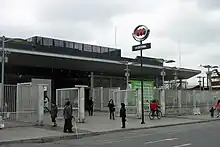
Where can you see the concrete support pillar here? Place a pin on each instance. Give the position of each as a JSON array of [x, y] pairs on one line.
[[81, 102], [194, 99], [157, 82], [110, 82], [40, 108], [92, 85], [163, 102]]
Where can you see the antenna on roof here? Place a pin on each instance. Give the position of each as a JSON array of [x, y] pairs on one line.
[[179, 52], [115, 32]]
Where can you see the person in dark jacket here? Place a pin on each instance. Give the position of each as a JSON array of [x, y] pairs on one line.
[[67, 113], [90, 103], [111, 107], [53, 113], [212, 111], [123, 114]]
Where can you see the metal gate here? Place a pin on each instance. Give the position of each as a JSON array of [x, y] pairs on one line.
[[8, 110], [130, 98], [171, 100], [108, 94], [98, 98], [71, 94], [26, 110]]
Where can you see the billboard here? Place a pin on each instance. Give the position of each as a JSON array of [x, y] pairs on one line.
[[148, 91]]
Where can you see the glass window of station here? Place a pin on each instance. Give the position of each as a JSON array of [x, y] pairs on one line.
[[78, 46]]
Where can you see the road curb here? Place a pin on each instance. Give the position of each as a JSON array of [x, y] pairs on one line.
[[68, 137]]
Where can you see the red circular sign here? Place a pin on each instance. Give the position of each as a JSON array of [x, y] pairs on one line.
[[141, 33]]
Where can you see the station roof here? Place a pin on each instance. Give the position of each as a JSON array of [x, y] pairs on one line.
[[61, 58]]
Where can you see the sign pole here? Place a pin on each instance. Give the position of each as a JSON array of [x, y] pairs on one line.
[[140, 34], [142, 88]]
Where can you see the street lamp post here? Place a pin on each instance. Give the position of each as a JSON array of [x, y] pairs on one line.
[[3, 60], [3, 71], [127, 74], [163, 73], [200, 82], [127, 71], [209, 74]]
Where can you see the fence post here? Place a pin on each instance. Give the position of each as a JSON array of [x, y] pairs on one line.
[[208, 100], [40, 108], [101, 95], [179, 101], [117, 102], [17, 100], [162, 102], [139, 103], [81, 103]]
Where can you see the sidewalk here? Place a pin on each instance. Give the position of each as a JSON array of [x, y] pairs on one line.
[[194, 117], [95, 125]]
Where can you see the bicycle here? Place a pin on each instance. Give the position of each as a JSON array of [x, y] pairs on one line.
[[159, 115]]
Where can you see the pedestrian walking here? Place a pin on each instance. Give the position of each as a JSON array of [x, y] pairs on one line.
[[123, 114], [5, 111], [90, 103], [53, 113], [67, 113], [111, 107]]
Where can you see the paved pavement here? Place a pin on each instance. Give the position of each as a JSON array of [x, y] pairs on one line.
[[194, 135], [98, 124], [105, 124]]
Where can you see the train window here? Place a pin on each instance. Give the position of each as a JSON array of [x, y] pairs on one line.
[[78, 46], [96, 49], [69, 44], [58, 43], [48, 41], [87, 48]]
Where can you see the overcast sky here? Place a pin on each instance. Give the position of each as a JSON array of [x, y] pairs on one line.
[[188, 27]]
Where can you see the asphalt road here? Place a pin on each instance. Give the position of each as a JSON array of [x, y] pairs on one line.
[[196, 135]]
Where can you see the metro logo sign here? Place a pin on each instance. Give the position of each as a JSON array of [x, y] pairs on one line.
[[141, 33]]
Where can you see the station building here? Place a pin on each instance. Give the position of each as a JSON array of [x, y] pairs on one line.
[[68, 64]]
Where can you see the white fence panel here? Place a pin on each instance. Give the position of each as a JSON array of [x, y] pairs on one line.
[[130, 98], [71, 94], [98, 98], [171, 100], [108, 94]]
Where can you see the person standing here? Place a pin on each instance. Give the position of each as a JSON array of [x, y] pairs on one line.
[[46, 104], [90, 103], [111, 107], [53, 113], [123, 114], [67, 113]]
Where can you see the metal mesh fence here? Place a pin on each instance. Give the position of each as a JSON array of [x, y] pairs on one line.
[[97, 98], [130, 98], [26, 110]]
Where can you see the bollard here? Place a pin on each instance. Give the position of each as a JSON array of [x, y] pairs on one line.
[[2, 125]]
